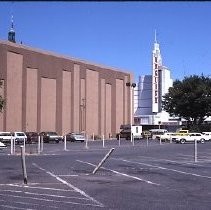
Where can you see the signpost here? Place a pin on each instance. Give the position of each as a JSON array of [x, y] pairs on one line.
[[195, 151]]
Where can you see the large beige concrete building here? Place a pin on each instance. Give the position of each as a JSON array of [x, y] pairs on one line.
[[49, 92]]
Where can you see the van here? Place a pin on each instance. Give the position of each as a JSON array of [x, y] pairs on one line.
[[126, 132]]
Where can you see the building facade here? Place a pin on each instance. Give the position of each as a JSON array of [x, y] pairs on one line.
[[49, 92], [150, 90]]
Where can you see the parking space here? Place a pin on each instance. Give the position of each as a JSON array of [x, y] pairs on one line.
[[139, 176]]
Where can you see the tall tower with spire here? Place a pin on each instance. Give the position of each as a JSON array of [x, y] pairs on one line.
[[150, 90], [156, 64], [11, 33]]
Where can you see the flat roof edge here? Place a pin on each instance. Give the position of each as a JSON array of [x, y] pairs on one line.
[[63, 56]]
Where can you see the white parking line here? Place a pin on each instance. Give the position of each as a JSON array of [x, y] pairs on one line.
[[122, 174], [163, 168], [70, 185], [44, 194], [12, 207], [49, 200], [42, 188], [26, 203], [171, 161]]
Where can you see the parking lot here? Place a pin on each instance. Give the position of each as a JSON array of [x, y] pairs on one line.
[[143, 175]]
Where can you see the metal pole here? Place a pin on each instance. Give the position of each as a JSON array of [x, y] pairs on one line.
[[65, 143], [23, 164], [103, 160], [103, 141], [11, 146], [119, 140], [133, 140], [131, 112], [93, 137], [24, 145], [38, 147], [147, 141], [86, 145], [41, 143], [195, 151]]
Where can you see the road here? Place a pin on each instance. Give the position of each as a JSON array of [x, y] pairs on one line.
[[133, 177]]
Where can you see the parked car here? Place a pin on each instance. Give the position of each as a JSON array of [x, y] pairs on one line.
[[50, 136], [125, 133], [2, 145], [32, 137], [19, 137], [165, 137], [75, 137], [5, 137], [191, 137], [207, 135]]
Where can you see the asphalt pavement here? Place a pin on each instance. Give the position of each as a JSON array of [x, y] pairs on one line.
[[137, 175]]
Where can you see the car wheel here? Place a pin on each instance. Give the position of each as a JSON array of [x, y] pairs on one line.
[[182, 141], [202, 141]]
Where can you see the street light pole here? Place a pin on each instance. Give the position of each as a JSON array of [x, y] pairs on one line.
[[132, 86]]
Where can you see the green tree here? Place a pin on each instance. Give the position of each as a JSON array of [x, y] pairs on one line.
[[189, 99], [2, 102]]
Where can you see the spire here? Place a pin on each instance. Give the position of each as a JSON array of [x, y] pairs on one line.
[[155, 36], [11, 33]]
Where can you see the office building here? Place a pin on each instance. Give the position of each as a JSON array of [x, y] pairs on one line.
[[45, 91]]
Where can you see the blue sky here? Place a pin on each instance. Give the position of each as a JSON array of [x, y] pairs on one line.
[[117, 34]]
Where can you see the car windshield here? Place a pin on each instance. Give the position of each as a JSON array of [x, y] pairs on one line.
[[52, 133], [5, 134], [78, 134], [20, 134]]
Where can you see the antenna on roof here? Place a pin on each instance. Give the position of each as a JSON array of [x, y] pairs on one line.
[[11, 33]]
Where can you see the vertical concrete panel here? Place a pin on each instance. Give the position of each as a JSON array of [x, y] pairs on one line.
[[83, 106], [119, 104], [92, 91], [31, 99], [126, 102], [102, 102], [48, 104], [66, 102], [76, 98], [2, 113], [108, 109], [14, 92]]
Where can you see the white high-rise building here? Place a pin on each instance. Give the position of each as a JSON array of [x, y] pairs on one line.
[[149, 92]]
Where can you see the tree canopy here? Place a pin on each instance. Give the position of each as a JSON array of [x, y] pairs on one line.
[[189, 99]]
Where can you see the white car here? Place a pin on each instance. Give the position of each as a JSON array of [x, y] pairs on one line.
[[5, 137], [2, 145], [191, 137], [20, 137], [165, 137], [207, 135]]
